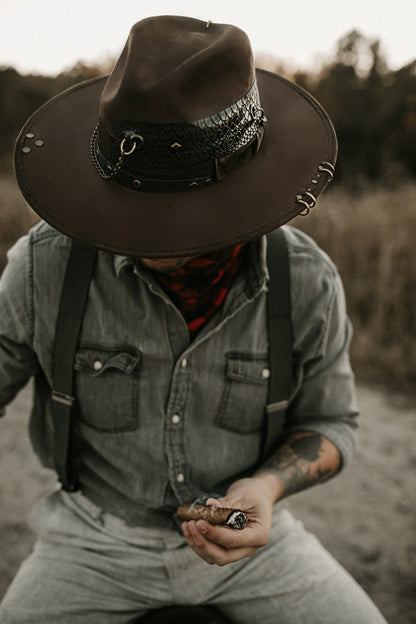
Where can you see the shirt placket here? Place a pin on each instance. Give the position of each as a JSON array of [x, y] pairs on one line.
[[178, 467], [177, 421]]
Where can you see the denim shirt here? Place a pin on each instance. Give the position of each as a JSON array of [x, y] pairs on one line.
[[161, 418]]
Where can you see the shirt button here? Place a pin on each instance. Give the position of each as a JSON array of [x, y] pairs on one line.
[[265, 373], [180, 477], [176, 419], [97, 365], [184, 363]]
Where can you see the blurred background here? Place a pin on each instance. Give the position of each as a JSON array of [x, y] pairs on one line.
[[359, 60]]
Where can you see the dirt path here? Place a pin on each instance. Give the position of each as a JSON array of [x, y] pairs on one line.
[[365, 517]]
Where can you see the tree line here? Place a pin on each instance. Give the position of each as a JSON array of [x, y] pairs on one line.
[[372, 107]]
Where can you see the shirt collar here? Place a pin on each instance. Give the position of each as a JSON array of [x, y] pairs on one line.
[[258, 249]]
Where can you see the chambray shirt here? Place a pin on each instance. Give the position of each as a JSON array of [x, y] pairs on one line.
[[161, 418]]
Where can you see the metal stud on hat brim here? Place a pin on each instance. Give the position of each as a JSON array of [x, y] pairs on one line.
[[62, 185]]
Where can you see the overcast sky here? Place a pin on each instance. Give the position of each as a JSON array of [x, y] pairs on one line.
[[46, 36]]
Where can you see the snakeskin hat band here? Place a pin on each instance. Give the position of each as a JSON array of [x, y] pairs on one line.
[[184, 148]]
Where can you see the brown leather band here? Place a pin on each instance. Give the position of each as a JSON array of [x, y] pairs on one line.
[[217, 170]]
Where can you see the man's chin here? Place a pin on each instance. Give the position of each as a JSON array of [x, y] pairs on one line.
[[165, 265]]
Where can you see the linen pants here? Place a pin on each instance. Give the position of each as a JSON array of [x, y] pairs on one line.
[[90, 568]]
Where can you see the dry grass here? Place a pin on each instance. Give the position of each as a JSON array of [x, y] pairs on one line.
[[15, 216], [370, 236]]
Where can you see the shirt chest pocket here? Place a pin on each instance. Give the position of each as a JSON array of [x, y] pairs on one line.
[[107, 387], [245, 393]]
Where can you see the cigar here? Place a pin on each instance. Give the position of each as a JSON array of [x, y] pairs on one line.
[[233, 518]]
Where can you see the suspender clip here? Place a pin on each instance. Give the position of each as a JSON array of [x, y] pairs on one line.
[[279, 406], [62, 398]]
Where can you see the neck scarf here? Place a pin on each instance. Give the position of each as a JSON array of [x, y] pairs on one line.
[[199, 288]]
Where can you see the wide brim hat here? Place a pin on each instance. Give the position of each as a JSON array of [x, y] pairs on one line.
[[186, 148]]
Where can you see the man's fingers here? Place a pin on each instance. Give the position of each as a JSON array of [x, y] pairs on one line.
[[223, 536], [211, 552], [220, 502], [202, 535], [215, 502], [252, 536]]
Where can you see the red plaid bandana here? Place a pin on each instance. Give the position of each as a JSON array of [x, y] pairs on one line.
[[199, 288]]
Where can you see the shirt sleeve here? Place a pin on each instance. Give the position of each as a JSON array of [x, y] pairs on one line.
[[325, 400], [18, 361]]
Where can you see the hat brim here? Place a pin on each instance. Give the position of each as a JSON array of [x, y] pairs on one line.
[[60, 182]]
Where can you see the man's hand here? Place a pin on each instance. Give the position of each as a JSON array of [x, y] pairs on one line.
[[221, 545], [304, 459]]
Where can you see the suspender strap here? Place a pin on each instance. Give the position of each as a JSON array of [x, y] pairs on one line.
[[280, 338], [79, 271]]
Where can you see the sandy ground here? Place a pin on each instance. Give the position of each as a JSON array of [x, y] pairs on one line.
[[365, 517]]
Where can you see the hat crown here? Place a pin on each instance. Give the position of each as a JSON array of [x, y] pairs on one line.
[[177, 69]]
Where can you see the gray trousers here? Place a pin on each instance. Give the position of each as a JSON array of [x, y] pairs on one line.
[[89, 568]]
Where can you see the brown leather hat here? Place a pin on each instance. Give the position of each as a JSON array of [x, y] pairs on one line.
[[184, 149]]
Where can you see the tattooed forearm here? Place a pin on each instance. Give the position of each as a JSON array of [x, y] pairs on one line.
[[304, 459]]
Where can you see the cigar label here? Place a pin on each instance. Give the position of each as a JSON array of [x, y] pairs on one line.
[[233, 518]]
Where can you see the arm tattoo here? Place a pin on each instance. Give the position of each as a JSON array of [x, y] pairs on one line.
[[304, 459], [307, 447]]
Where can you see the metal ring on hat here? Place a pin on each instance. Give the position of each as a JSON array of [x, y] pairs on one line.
[[312, 202], [309, 202], [327, 168], [133, 138]]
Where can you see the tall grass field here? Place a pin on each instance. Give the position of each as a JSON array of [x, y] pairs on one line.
[[371, 238]]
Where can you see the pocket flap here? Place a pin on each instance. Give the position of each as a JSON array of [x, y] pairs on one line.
[[95, 360], [251, 368]]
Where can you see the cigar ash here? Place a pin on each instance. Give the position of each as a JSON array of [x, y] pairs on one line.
[[237, 520]]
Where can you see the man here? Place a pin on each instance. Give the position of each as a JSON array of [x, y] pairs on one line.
[[174, 168]]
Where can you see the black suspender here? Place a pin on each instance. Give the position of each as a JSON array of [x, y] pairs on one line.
[[279, 324], [79, 271]]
